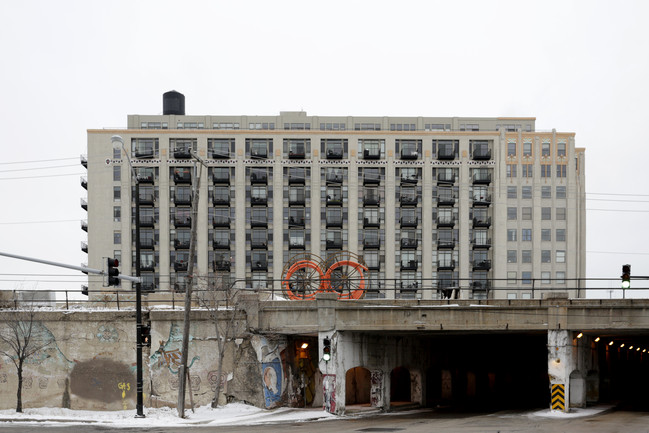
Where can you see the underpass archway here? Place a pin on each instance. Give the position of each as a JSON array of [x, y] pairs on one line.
[[358, 386]]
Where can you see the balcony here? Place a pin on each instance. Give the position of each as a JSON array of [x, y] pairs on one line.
[[409, 221], [446, 221], [334, 244], [258, 177], [221, 199], [446, 153], [84, 182], [84, 204], [370, 178], [84, 247], [296, 178], [145, 176], [181, 244], [445, 244], [84, 160], [148, 287], [371, 154], [259, 200], [220, 244], [482, 222], [148, 266], [409, 265], [335, 221], [334, 154], [180, 266], [371, 200], [182, 199], [221, 177], [445, 265], [371, 243], [182, 176], [220, 154], [334, 200], [296, 153], [220, 221], [371, 222], [182, 153], [257, 221], [259, 265], [409, 244], [183, 221], [482, 200], [409, 200], [409, 154], [481, 285], [480, 243], [481, 265], [481, 153], [446, 177], [409, 179], [446, 200], [296, 200], [295, 221], [296, 245], [147, 221], [147, 198], [221, 265], [481, 178], [144, 153], [334, 177], [259, 153], [84, 225], [259, 244]]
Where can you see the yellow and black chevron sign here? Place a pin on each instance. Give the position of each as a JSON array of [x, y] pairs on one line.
[[558, 396]]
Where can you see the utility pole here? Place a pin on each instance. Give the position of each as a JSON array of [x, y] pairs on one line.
[[182, 370]]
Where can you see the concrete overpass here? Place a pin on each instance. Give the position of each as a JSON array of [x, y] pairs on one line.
[[566, 352]]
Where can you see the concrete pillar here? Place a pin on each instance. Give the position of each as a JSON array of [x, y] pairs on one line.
[[569, 360]]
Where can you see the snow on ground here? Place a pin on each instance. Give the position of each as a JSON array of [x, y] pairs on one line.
[[232, 414]]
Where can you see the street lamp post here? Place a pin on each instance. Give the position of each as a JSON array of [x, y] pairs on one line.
[[119, 142]]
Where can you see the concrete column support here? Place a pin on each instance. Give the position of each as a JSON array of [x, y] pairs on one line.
[[569, 361]]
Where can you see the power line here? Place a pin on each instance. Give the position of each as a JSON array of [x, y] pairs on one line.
[[37, 177], [37, 160]]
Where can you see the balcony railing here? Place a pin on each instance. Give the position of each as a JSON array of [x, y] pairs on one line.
[[182, 177], [182, 199], [84, 247], [221, 221], [182, 221], [444, 177], [409, 265], [221, 244], [334, 199], [480, 243], [408, 200], [371, 222], [221, 265], [334, 221], [259, 177], [371, 200], [84, 182], [182, 153], [147, 243], [371, 178], [259, 200], [409, 221], [334, 244], [482, 200], [445, 243], [481, 153], [84, 204], [481, 265], [181, 244], [407, 243], [480, 177], [296, 200], [296, 245], [147, 221], [446, 153], [259, 265], [371, 243], [409, 178], [294, 221], [222, 200], [147, 198], [446, 221], [334, 154], [148, 266], [371, 154], [482, 222], [84, 225], [409, 154], [334, 178], [220, 154], [259, 244], [219, 177], [445, 265]]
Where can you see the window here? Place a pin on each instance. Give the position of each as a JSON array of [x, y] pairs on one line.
[[117, 173], [258, 216], [259, 147], [371, 238], [261, 125], [561, 170], [511, 277], [527, 170], [333, 126], [546, 256], [561, 148], [526, 213], [527, 148], [511, 213], [561, 192], [545, 277], [296, 217], [367, 126], [561, 235], [372, 259], [334, 216], [409, 149], [296, 239], [561, 277], [546, 191], [117, 193], [117, 213], [371, 149], [258, 238], [226, 125], [117, 153], [117, 237], [220, 148], [296, 195], [546, 170], [511, 170], [546, 213], [402, 127], [221, 238], [526, 235], [334, 148], [511, 149], [526, 277], [561, 256], [297, 126], [546, 235], [144, 147], [512, 256], [298, 148], [258, 195], [511, 235], [526, 256], [526, 192], [511, 192], [545, 149], [561, 213], [371, 217]]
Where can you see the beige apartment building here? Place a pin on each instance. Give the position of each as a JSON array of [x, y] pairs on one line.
[[433, 207]]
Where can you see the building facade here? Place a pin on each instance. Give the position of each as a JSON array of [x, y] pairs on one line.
[[452, 207]]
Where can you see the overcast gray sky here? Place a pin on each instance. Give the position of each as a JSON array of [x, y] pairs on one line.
[[69, 66]]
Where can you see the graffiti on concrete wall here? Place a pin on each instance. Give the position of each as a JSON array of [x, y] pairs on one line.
[[169, 353], [102, 380], [214, 379], [329, 392], [376, 392], [107, 334], [272, 380]]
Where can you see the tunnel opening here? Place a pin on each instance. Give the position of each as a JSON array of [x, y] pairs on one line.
[[358, 386], [400, 386]]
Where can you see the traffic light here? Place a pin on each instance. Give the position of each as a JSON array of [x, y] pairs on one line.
[[146, 336], [112, 271], [326, 349], [626, 276]]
